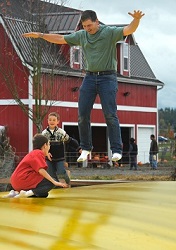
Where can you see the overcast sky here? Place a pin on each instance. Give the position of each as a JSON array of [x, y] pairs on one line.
[[156, 35]]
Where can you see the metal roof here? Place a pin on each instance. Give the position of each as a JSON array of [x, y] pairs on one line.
[[21, 16], [51, 53], [62, 22], [139, 66], [24, 9]]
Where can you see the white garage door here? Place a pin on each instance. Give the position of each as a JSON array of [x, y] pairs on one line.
[[144, 143]]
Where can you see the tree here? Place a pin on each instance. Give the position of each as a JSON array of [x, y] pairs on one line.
[[31, 82], [167, 122]]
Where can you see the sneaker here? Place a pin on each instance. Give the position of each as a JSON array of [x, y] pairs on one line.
[[11, 194], [24, 194], [116, 157], [83, 156]]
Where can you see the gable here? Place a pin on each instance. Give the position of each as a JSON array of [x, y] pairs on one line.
[[139, 66]]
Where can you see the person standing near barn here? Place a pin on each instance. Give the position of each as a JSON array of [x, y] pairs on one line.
[[153, 153], [98, 43], [133, 151]]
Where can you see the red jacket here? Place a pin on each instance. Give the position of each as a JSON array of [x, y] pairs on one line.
[[26, 175]]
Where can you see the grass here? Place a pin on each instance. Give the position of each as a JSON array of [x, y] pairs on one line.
[[163, 173], [128, 177]]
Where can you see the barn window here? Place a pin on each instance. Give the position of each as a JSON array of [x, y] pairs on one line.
[[125, 57], [76, 57]]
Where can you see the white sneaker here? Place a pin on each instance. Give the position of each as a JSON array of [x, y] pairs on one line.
[[11, 194], [83, 156], [116, 157], [24, 194]]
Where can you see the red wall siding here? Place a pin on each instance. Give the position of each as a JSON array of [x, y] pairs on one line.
[[12, 70], [17, 121], [127, 117], [139, 95], [17, 124], [65, 50], [60, 88], [131, 117]]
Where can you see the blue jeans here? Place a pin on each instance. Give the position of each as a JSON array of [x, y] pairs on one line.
[[106, 87], [43, 188], [153, 163], [133, 162], [56, 168]]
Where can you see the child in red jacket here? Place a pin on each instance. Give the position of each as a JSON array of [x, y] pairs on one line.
[[30, 178]]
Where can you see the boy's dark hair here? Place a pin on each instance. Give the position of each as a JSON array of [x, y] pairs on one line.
[[39, 140], [54, 114], [89, 14]]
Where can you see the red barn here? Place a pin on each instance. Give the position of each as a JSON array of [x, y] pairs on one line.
[[137, 84]]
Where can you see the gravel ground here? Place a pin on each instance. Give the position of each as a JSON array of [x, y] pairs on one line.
[[143, 173]]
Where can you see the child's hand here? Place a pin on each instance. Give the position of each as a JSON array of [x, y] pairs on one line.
[[61, 184], [154, 157], [49, 156]]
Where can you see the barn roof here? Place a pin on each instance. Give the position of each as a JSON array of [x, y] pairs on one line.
[[51, 53], [22, 9], [139, 66], [66, 22]]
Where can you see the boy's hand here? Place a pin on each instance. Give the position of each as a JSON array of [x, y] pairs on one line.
[[61, 184], [49, 156], [154, 157]]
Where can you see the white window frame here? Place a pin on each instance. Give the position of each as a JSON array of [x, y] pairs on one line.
[[73, 51], [125, 56]]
